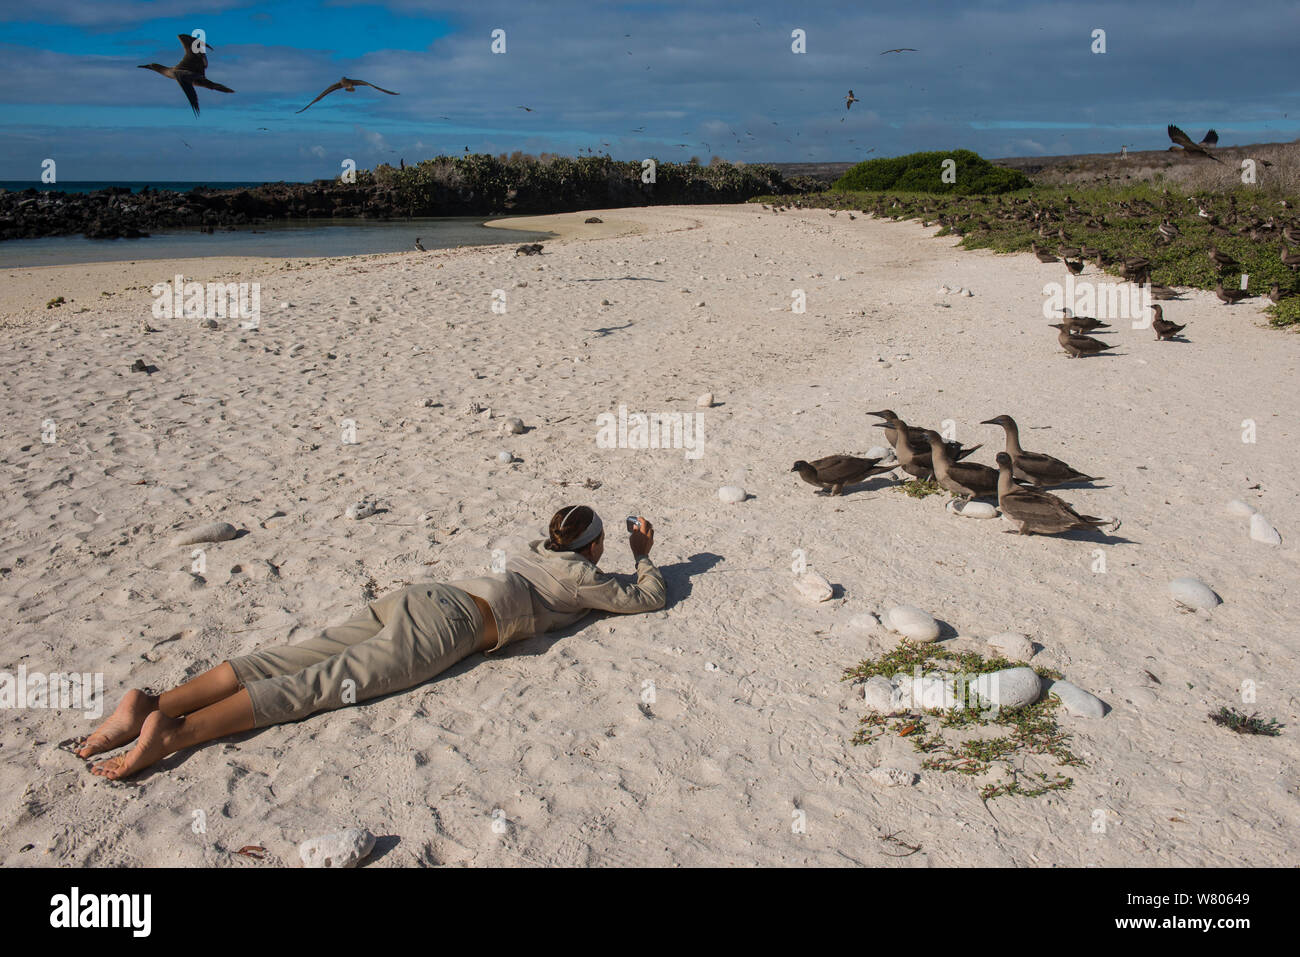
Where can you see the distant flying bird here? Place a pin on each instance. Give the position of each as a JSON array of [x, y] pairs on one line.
[[528, 108], [1182, 139], [850, 100], [189, 73], [350, 86], [899, 50]]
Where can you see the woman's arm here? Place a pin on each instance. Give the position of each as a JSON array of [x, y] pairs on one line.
[[648, 594]]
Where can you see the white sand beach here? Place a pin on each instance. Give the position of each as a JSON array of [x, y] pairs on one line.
[[750, 722]]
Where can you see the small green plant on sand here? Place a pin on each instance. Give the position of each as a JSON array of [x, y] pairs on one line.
[[56, 301], [1233, 719], [917, 488], [943, 735]]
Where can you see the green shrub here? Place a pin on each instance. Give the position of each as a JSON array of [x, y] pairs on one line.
[[922, 173]]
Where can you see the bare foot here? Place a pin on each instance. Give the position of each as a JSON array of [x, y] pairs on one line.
[[150, 749], [122, 726]]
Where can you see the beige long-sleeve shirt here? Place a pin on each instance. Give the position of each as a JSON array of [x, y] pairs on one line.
[[544, 591]]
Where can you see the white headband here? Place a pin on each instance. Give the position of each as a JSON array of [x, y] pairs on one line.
[[586, 538]]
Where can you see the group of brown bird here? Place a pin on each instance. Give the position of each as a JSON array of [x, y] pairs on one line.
[[191, 71], [1018, 481]]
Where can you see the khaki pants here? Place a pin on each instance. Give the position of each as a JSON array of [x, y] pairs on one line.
[[402, 639]]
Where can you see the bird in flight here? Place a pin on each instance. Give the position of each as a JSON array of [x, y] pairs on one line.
[[899, 50], [850, 100], [189, 73], [527, 108], [1182, 139], [350, 86]]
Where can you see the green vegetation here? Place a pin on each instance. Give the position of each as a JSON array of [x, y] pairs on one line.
[[916, 488], [1234, 720], [922, 173], [1119, 221], [1031, 730]]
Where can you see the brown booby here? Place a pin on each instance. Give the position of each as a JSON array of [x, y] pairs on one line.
[[1163, 327], [836, 471], [1076, 345], [1036, 467], [350, 86], [967, 479], [916, 439], [1223, 260], [1199, 149], [1037, 511], [189, 73], [1230, 296]]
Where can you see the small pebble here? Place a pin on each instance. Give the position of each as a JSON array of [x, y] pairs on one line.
[[1194, 594], [513, 426], [1076, 700], [342, 849], [504, 457], [892, 777], [1011, 645], [731, 494], [1262, 531], [1008, 688], [209, 324], [911, 622], [813, 587], [213, 532], [710, 666], [705, 401], [971, 509], [360, 510]]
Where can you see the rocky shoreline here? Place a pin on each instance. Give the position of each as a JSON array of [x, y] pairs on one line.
[[454, 188]]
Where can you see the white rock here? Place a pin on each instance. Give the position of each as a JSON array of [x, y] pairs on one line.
[[878, 694], [512, 426], [342, 849], [1238, 507], [710, 666], [932, 691], [1076, 700], [813, 587], [967, 292], [359, 510], [1012, 645], [972, 509], [1262, 531], [705, 401], [892, 777], [731, 494], [911, 622], [1008, 688], [1193, 594], [864, 622], [215, 532], [504, 457]]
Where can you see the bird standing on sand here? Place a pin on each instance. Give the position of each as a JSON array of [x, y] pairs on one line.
[[1074, 267], [1198, 149], [1035, 467], [1038, 511], [1082, 324], [1077, 345], [850, 100], [417, 244], [916, 439], [189, 73], [1163, 327], [1230, 297], [351, 87], [967, 479], [836, 471]]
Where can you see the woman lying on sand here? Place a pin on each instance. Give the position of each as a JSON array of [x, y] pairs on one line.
[[402, 640]]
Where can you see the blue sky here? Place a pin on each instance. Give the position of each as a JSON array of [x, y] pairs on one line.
[[665, 79]]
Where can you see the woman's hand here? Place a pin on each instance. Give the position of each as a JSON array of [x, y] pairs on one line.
[[641, 538]]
